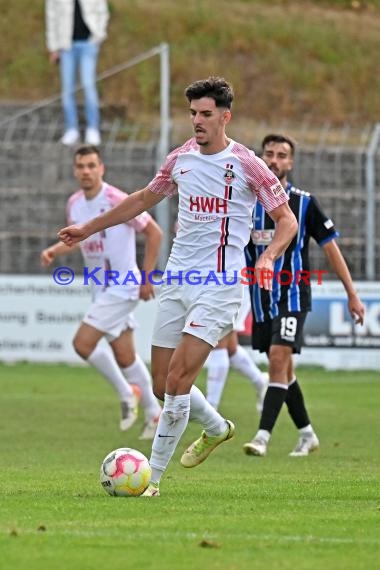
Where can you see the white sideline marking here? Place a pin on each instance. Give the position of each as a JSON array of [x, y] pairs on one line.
[[307, 538]]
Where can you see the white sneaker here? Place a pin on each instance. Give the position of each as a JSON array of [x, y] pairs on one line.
[[261, 393], [149, 429], [70, 137], [129, 413], [92, 136], [257, 447], [305, 445]]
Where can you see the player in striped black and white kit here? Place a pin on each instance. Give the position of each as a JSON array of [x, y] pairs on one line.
[[279, 315], [218, 181]]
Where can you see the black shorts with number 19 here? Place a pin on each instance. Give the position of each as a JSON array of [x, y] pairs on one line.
[[286, 330]]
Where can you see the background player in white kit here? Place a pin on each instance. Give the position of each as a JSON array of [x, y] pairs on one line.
[[218, 181], [110, 314], [230, 353]]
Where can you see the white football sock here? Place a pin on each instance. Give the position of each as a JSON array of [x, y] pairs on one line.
[[202, 411], [263, 434], [307, 431], [242, 362], [103, 359], [217, 365], [137, 373], [171, 425]]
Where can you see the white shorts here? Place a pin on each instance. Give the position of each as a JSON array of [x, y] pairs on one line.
[[111, 314], [244, 311], [205, 311]]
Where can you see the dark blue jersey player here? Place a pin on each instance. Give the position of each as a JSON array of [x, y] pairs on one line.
[[279, 314]]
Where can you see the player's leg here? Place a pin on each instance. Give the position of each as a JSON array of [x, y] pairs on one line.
[[184, 365], [274, 337], [308, 440], [200, 410], [137, 374], [109, 315], [215, 309], [217, 365], [241, 361], [167, 333], [175, 320], [161, 357], [101, 357]]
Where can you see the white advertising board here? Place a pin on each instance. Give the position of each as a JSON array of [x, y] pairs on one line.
[[38, 319]]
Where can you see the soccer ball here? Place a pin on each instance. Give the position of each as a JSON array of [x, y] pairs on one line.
[[125, 472]]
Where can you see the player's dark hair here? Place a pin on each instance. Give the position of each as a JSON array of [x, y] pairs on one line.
[[85, 149], [276, 138], [216, 88]]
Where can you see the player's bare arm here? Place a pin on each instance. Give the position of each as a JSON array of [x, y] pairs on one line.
[[132, 206], [49, 254], [153, 238], [286, 229], [339, 266]]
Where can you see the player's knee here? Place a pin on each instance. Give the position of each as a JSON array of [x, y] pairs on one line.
[[278, 361], [160, 394], [82, 349], [125, 360], [179, 383], [158, 386]]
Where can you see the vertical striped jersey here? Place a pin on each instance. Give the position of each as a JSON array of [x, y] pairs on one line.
[[216, 195], [294, 294]]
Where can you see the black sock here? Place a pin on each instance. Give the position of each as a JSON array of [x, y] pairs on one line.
[[296, 405], [273, 401]]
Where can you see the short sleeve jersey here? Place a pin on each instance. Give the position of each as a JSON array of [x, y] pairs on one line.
[[113, 249], [216, 195], [312, 223]]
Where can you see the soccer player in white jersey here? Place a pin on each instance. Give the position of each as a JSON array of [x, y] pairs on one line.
[[110, 314], [218, 181]]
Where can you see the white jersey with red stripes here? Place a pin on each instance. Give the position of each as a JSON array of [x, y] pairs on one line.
[[217, 193], [113, 249]]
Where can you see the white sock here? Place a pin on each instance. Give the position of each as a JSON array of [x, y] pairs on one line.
[[137, 373], [242, 362], [202, 411], [104, 361], [217, 365], [263, 434], [171, 425], [307, 430]]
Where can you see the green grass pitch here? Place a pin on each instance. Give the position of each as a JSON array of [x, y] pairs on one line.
[[234, 512]]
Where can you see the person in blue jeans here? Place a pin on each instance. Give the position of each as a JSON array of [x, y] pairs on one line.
[[75, 30]]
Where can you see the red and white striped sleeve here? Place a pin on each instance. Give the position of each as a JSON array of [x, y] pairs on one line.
[[115, 196], [261, 180], [163, 182]]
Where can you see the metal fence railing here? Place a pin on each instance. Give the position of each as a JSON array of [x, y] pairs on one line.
[[37, 179]]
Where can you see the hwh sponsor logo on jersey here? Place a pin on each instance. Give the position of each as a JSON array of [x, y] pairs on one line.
[[208, 205]]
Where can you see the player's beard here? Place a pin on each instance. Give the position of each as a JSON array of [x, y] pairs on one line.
[[279, 173]]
